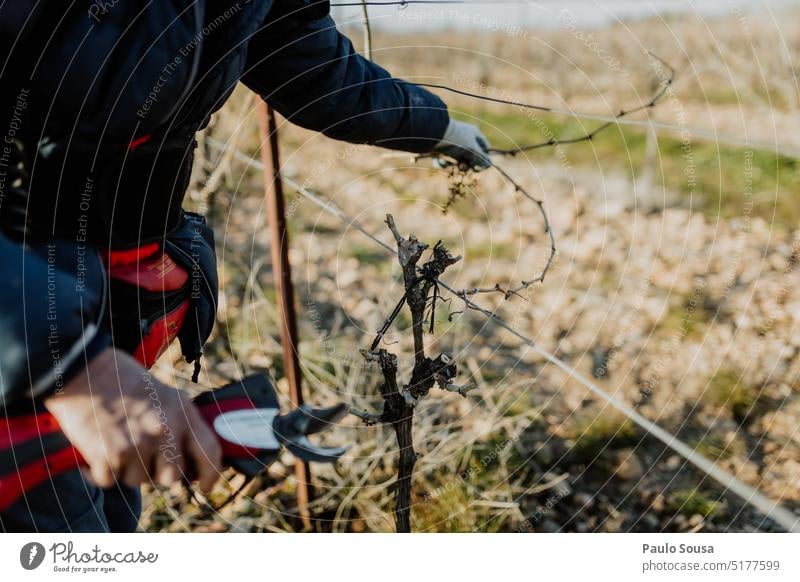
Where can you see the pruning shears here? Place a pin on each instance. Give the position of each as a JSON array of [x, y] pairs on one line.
[[245, 416]]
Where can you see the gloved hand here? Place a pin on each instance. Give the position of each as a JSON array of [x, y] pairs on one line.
[[466, 144]]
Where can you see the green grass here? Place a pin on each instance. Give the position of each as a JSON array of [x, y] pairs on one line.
[[487, 249], [715, 448], [449, 507], [521, 404], [444, 510], [722, 173], [690, 319], [691, 502], [726, 389], [367, 255], [594, 434], [725, 94]]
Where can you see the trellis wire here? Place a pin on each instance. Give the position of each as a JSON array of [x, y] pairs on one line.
[[751, 496], [696, 132], [704, 134], [367, 30], [403, 3]]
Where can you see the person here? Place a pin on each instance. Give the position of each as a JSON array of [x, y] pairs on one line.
[[99, 104]]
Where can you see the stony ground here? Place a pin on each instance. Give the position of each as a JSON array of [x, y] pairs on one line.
[[687, 315]]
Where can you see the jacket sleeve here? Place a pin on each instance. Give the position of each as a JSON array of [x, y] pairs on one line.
[[16, 21], [300, 64], [51, 303]]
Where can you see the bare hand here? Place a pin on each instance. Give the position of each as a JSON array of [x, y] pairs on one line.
[[128, 426]]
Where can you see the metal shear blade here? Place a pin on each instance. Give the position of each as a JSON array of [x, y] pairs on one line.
[[293, 430]]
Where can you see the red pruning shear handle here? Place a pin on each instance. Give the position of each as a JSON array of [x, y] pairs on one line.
[[244, 415], [32, 449]]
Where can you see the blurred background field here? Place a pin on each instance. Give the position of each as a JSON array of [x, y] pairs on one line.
[[676, 285]]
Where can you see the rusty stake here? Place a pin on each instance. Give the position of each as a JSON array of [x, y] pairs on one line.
[[282, 271]]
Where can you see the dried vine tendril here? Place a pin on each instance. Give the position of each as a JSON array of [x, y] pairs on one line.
[[462, 180]]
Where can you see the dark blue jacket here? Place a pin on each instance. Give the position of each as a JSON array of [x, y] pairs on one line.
[[120, 87], [103, 100], [114, 70]]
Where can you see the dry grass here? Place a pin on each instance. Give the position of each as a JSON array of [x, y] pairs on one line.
[[681, 306]]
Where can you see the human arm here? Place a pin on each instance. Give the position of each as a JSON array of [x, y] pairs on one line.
[[300, 63]]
